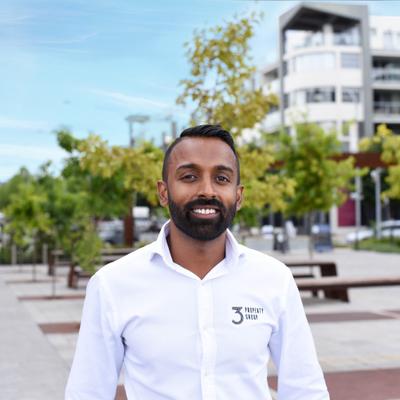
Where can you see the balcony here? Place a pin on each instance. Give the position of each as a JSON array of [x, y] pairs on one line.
[[386, 112], [386, 75], [387, 107]]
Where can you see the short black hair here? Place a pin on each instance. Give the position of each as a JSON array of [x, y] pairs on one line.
[[202, 131]]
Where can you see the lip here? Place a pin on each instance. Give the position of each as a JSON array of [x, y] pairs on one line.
[[205, 216]]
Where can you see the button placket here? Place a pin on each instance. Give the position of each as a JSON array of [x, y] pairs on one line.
[[208, 342]]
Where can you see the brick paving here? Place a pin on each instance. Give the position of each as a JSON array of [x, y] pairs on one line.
[[358, 343]]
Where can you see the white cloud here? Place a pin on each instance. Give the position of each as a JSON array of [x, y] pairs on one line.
[[130, 101], [12, 123], [21, 153], [9, 20], [77, 39]]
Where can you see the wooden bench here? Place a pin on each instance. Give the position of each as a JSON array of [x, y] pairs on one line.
[[326, 269], [337, 287], [76, 273]]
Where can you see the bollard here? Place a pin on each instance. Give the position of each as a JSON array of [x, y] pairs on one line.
[[14, 254]]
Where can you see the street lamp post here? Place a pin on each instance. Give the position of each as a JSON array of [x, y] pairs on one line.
[[376, 177], [131, 119], [357, 197]]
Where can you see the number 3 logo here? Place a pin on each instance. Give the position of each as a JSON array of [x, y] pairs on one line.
[[240, 315]]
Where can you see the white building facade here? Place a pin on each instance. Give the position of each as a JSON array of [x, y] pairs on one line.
[[338, 67]]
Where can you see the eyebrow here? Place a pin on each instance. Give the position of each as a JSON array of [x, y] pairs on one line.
[[225, 168], [195, 166], [187, 166]]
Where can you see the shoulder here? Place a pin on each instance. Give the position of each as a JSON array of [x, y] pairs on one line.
[[263, 266], [130, 264], [258, 259]]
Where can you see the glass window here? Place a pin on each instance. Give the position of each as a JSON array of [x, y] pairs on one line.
[[350, 60], [350, 95], [286, 100], [312, 95], [320, 95], [347, 37], [296, 39], [313, 62]]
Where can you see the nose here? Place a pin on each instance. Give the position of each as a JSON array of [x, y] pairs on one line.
[[207, 188]]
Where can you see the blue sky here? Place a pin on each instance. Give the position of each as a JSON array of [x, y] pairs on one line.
[[88, 64]]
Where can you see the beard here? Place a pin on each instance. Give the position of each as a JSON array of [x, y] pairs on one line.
[[199, 228]]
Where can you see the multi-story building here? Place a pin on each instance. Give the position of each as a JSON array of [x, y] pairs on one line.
[[339, 67]]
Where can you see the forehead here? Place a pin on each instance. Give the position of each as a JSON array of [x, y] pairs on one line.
[[204, 152]]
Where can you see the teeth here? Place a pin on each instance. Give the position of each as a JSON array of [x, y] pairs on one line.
[[204, 211]]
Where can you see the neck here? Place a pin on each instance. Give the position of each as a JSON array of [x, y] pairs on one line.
[[197, 256]]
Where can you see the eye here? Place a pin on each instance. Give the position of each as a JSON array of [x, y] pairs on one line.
[[188, 177], [222, 179]]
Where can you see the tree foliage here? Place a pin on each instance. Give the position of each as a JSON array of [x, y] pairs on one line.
[[321, 181], [8, 189], [27, 213], [262, 184], [113, 176], [47, 209], [388, 144], [134, 168], [220, 87]]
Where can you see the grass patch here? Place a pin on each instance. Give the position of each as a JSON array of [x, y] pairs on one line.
[[380, 245]]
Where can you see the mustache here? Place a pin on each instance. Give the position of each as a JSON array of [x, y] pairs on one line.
[[204, 202]]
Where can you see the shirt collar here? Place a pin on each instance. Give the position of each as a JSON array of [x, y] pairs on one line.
[[233, 250]]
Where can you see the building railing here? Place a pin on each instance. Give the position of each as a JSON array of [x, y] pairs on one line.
[[387, 107], [389, 75], [317, 39]]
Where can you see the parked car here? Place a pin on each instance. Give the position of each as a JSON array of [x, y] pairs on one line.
[[390, 228]]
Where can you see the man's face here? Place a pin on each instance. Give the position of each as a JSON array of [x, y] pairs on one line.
[[201, 191]]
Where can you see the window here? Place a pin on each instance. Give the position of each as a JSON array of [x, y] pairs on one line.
[[312, 95], [320, 95], [350, 95], [313, 62], [350, 60], [286, 100], [347, 37]]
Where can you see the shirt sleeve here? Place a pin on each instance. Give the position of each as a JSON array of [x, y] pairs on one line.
[[99, 351], [292, 350]]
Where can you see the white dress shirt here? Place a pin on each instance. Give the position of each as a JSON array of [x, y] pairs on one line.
[[180, 337]]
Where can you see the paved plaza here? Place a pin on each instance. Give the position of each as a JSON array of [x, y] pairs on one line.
[[358, 343]]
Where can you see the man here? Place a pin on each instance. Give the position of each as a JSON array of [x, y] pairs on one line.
[[195, 315]]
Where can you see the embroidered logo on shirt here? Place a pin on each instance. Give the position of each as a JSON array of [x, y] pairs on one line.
[[246, 314]]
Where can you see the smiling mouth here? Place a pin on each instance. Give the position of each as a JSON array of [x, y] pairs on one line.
[[205, 211]]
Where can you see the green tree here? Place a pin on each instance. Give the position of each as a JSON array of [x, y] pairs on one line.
[[113, 175], [221, 86], [221, 90], [388, 144], [7, 189], [26, 213], [321, 181], [48, 209]]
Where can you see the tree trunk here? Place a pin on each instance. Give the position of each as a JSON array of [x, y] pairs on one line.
[[128, 230], [129, 225]]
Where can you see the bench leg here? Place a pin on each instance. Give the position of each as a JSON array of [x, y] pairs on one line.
[[337, 294]]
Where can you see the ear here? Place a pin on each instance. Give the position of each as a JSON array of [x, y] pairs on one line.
[[162, 191], [239, 196]]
